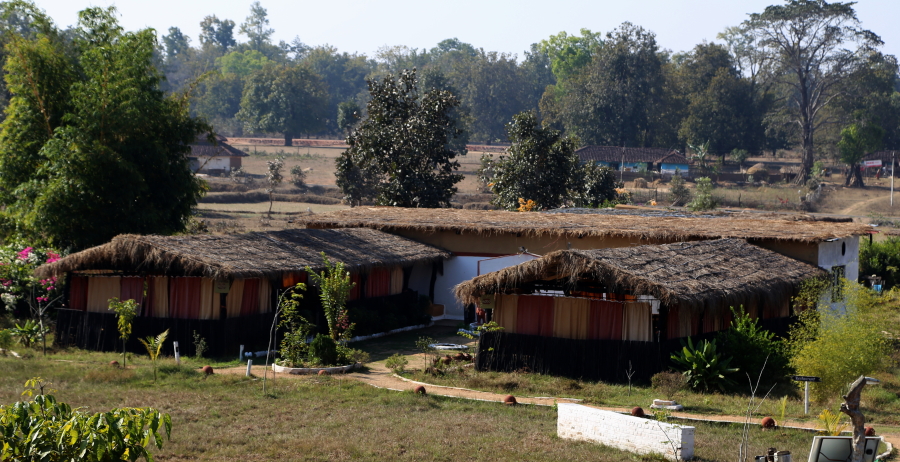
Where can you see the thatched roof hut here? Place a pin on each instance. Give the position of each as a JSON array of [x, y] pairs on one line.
[[251, 255], [648, 228], [716, 273]]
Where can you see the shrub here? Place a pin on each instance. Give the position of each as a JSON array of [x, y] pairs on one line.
[[298, 177], [347, 355], [703, 367], [396, 363], [678, 192], [839, 347], [6, 338], [754, 350], [703, 200], [323, 350], [28, 333], [200, 346], [668, 383], [881, 259]]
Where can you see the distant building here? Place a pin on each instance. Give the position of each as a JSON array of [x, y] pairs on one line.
[[214, 159], [635, 159]]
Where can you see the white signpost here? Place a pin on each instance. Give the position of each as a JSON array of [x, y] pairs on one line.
[[177, 353], [806, 379]]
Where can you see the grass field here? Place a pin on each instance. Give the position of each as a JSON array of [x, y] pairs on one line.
[[227, 417]]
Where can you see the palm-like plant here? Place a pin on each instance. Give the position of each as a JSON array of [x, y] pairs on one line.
[[154, 347], [703, 366]]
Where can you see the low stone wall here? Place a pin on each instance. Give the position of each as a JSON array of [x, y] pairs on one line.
[[634, 434]]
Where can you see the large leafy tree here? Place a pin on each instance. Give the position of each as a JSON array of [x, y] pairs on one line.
[[857, 140], [809, 45], [540, 165], [286, 99], [403, 153], [217, 33], [256, 27], [91, 146]]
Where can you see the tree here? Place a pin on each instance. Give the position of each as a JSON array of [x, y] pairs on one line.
[[540, 165], [570, 53], [615, 99], [177, 44], [273, 179], [242, 63], [255, 27], [598, 186], [334, 289], [218, 33], [403, 153], [91, 147], [287, 99], [348, 115], [857, 140], [492, 90], [807, 42], [125, 310]]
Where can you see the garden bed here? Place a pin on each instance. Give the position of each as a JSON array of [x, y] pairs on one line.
[[315, 370]]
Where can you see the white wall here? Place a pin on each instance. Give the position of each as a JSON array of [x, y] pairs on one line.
[[456, 270], [214, 163], [420, 278], [633, 434], [841, 252], [489, 265]]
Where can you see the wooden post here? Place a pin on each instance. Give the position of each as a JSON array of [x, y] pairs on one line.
[[850, 406], [177, 353]]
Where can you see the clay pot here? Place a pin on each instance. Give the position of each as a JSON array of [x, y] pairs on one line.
[[768, 422], [323, 372], [637, 412], [208, 370], [870, 431], [114, 363], [447, 360], [509, 400], [419, 390]]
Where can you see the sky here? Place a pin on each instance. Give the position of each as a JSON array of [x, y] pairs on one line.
[[506, 26]]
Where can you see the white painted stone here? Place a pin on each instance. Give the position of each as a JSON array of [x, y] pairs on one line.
[[634, 434]]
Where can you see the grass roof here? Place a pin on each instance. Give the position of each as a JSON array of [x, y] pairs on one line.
[[620, 154], [259, 254], [718, 273], [495, 222]]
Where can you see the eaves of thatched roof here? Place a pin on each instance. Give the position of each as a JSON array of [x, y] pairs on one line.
[[259, 254], [717, 273], [495, 222]]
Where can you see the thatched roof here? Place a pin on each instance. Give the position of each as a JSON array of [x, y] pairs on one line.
[[496, 222], [719, 273], [617, 154], [203, 148], [261, 254]]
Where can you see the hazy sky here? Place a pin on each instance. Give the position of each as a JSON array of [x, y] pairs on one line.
[[509, 26]]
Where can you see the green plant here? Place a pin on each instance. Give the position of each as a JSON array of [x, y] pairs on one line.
[[668, 383], [298, 177], [293, 348], [838, 347], [347, 355], [423, 344], [334, 289], [323, 350], [782, 409], [678, 192], [47, 430], [125, 312], [28, 333], [831, 424], [154, 348], [6, 338], [397, 363], [703, 366], [882, 259], [703, 199], [754, 349], [200, 346]]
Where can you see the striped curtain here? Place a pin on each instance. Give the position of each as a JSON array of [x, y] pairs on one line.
[[378, 283], [679, 322], [571, 317], [396, 280], [637, 322], [100, 290], [265, 296], [506, 309], [234, 298], [78, 290], [250, 300], [606, 320], [354, 292], [158, 297], [133, 289], [184, 298], [208, 297], [535, 315]]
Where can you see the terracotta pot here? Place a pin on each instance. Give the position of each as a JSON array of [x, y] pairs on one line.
[[114, 363], [419, 390], [768, 422], [323, 372], [870, 431], [637, 412], [208, 370], [510, 400]]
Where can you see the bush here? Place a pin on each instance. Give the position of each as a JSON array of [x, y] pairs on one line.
[[678, 192], [298, 177], [668, 383], [396, 363], [703, 367], [6, 339], [703, 200], [323, 351], [347, 355], [753, 348], [881, 259], [839, 347]]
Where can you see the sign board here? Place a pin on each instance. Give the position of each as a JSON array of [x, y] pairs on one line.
[[486, 302], [806, 378], [223, 286], [872, 163]]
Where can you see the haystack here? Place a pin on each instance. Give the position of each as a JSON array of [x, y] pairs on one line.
[[640, 183]]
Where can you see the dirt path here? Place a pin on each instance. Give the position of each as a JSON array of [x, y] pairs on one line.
[[381, 377]]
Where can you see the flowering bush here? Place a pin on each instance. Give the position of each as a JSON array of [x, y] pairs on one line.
[[18, 285]]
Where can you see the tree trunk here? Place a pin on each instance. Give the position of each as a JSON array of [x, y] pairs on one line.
[[288, 139], [854, 177], [807, 157], [850, 406]]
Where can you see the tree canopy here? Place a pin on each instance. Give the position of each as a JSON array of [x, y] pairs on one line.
[[404, 152], [91, 147]]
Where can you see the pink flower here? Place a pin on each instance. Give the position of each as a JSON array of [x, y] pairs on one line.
[[42, 299], [23, 255], [52, 257]]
